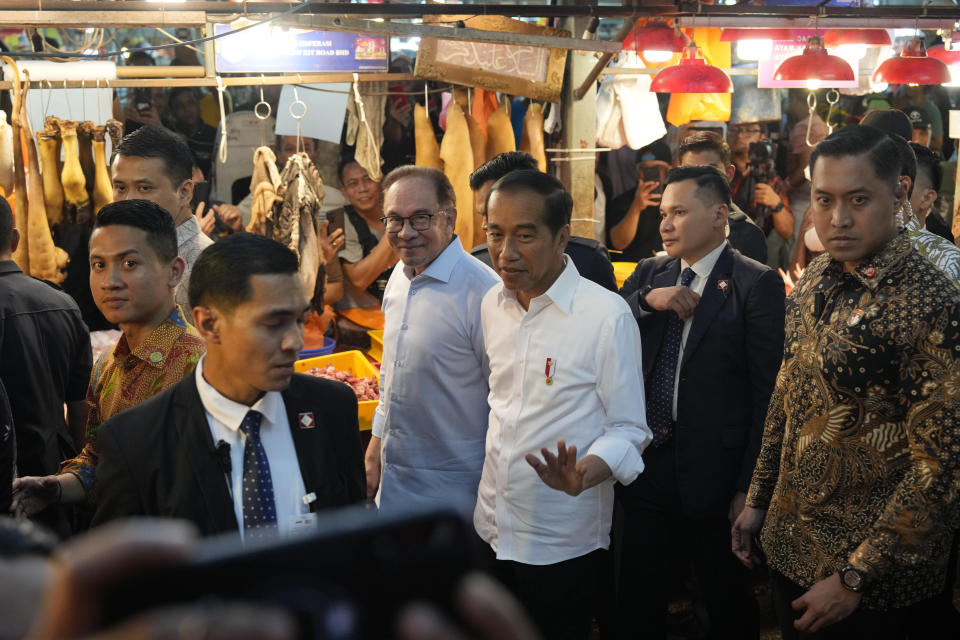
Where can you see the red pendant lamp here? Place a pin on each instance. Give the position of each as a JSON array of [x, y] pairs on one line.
[[940, 52], [692, 75], [912, 66], [814, 66], [869, 37], [655, 36]]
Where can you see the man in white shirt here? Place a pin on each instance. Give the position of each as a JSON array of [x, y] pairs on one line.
[[242, 443], [430, 426], [564, 371]]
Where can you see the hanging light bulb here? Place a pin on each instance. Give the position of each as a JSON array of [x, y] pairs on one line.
[[692, 75], [814, 66]]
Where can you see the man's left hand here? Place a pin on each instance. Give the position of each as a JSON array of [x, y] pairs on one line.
[[230, 216], [736, 506], [764, 195], [827, 602], [561, 471]]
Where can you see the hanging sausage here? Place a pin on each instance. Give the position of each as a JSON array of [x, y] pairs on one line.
[[102, 187], [457, 156], [500, 132], [531, 140], [74, 184], [428, 151]]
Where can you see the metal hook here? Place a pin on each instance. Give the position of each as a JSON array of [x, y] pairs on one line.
[[812, 104], [223, 124], [297, 102], [835, 100]]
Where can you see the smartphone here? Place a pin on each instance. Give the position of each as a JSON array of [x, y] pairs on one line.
[[653, 174], [334, 220], [346, 580], [201, 193], [142, 99]]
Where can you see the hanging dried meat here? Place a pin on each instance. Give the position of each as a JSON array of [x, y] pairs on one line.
[[22, 254], [102, 187], [478, 143], [428, 151], [500, 132], [74, 184], [6, 156], [48, 142], [47, 261], [457, 156], [263, 188], [531, 140], [365, 126], [115, 131], [297, 216], [85, 142]]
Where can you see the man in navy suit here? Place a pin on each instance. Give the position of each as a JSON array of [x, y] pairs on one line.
[[711, 323], [242, 443]]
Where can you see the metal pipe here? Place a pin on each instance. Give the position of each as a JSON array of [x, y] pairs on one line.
[[602, 62]]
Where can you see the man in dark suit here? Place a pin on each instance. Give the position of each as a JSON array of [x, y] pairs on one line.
[[241, 443], [711, 323]]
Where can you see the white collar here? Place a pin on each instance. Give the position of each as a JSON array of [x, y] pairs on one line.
[[230, 413], [705, 265]]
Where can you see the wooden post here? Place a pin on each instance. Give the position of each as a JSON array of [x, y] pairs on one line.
[[580, 132]]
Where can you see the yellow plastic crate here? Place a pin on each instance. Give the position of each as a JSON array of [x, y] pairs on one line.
[[355, 363], [376, 345], [622, 271]]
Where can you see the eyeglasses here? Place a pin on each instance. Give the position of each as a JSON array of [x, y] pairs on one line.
[[419, 222]]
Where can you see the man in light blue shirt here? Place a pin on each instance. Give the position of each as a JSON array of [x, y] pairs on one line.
[[430, 427]]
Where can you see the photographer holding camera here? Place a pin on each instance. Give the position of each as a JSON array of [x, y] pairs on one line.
[[757, 190]]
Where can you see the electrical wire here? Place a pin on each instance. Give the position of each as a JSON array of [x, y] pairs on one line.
[[108, 54]]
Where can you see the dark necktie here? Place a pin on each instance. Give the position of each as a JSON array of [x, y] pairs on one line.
[[663, 376], [259, 508]]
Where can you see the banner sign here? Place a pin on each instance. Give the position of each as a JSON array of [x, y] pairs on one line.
[[267, 48]]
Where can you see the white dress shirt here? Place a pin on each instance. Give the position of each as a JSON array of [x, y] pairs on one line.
[[432, 414], [224, 417], [191, 242], [702, 268], [594, 400]]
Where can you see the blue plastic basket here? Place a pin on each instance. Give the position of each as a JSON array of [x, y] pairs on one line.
[[329, 344]]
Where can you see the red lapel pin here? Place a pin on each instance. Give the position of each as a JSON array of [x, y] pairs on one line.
[[723, 285], [307, 421]]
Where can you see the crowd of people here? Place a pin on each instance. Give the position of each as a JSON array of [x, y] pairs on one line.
[[604, 443]]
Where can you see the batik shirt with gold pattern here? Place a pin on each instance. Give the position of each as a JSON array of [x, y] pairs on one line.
[[860, 460], [122, 378]]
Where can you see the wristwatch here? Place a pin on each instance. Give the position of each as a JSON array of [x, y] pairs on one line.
[[778, 207], [852, 579]]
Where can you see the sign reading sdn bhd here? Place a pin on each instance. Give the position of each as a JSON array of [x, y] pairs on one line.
[[267, 48]]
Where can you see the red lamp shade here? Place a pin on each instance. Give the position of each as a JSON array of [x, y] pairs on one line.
[[948, 58], [912, 66], [870, 37], [655, 36], [814, 64], [737, 35], [692, 75]]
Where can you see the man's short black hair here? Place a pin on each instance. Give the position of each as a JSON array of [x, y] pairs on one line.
[[557, 203], [928, 161], [708, 179], [145, 215], [500, 165], [700, 141], [883, 153], [6, 225], [446, 196], [345, 162], [221, 275], [156, 142]]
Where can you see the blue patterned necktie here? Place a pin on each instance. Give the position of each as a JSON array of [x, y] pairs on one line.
[[660, 389], [259, 508]]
